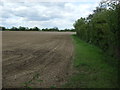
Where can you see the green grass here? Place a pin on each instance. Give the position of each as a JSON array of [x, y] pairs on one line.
[[93, 66]]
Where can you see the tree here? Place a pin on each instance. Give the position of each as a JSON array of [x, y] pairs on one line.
[[2, 28], [14, 29], [35, 29], [102, 28], [22, 28]]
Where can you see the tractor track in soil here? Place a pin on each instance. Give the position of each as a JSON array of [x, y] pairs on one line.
[[26, 54]]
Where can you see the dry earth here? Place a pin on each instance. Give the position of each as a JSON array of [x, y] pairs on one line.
[[39, 59]]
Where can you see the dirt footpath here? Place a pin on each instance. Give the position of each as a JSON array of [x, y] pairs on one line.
[[36, 59]]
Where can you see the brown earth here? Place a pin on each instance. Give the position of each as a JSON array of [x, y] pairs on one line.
[[36, 59]]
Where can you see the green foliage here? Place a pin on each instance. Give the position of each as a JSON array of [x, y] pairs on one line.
[[51, 29], [53, 86], [35, 29], [20, 29], [95, 69], [102, 27], [2, 28]]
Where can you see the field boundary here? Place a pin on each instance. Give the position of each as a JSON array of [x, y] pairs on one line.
[[94, 70]]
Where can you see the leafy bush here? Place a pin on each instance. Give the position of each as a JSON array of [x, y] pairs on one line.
[[102, 27]]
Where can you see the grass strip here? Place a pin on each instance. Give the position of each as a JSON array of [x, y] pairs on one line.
[[94, 67]]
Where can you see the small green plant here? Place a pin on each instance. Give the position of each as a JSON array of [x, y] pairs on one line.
[[53, 86], [35, 78]]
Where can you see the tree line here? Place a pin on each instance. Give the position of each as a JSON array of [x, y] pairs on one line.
[[34, 29], [102, 27]]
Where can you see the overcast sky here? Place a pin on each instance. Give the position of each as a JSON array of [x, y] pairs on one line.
[[30, 13]]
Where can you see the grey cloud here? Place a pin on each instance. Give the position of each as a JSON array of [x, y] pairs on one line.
[[44, 14], [35, 14]]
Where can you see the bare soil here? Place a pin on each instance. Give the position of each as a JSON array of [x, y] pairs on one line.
[[36, 59]]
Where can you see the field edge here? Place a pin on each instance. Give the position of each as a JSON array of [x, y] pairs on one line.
[[93, 68]]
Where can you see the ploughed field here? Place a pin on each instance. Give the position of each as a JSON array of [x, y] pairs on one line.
[[36, 59]]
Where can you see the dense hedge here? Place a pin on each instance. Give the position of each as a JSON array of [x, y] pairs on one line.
[[102, 28]]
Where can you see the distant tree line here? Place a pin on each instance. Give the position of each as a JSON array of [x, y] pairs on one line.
[[34, 29], [102, 28], [20, 29]]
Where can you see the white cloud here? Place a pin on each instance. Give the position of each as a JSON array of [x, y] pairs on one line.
[[45, 14], [50, 0]]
